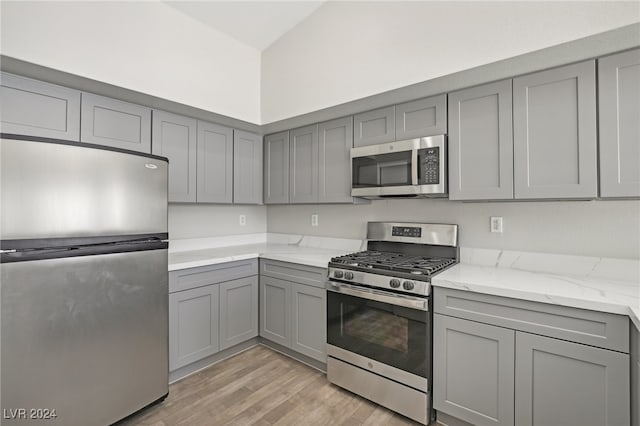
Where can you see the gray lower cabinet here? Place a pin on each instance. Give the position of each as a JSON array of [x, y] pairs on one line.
[[276, 168], [335, 140], [309, 318], [110, 122], [303, 165], [293, 309], [481, 143], [238, 311], [193, 325], [214, 181], [247, 168], [554, 133], [619, 109], [490, 368], [35, 108], [424, 117], [473, 371], [211, 308], [174, 137], [374, 127], [635, 376], [565, 383]]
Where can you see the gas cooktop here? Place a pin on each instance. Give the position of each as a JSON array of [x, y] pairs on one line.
[[376, 262]]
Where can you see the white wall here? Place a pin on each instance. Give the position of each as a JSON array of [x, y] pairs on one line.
[[199, 221], [588, 228], [349, 50], [149, 47]]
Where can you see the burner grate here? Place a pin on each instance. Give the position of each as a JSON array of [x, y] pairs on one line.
[[400, 262]]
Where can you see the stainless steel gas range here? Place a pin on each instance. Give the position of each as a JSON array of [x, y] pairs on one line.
[[379, 319]]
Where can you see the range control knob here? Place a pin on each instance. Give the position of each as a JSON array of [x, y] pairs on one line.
[[337, 274], [394, 283], [348, 275], [408, 285]]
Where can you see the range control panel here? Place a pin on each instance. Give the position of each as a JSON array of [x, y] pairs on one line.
[[406, 231]]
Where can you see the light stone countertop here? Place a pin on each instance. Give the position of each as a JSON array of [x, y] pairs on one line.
[[599, 284]]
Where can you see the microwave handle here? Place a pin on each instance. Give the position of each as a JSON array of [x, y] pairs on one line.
[[414, 167], [379, 296]]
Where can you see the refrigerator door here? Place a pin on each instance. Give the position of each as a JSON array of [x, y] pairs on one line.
[[84, 336], [55, 190]]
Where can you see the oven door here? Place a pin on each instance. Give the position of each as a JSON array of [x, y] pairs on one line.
[[380, 331]]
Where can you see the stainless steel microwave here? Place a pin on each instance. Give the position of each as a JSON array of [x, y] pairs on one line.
[[411, 168]]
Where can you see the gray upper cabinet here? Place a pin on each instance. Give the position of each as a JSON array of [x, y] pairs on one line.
[[238, 311], [335, 140], [110, 122], [276, 168], [473, 371], [481, 143], [564, 383], [174, 137], [424, 117], [374, 127], [303, 157], [619, 112], [554, 127], [34, 108], [215, 164], [247, 168]]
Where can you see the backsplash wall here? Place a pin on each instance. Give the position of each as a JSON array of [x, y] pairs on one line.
[[587, 228], [199, 221]]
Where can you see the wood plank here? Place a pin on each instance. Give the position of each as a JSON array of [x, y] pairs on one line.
[[262, 387]]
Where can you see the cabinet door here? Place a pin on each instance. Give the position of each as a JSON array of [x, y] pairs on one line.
[[569, 384], [247, 168], [276, 168], [174, 137], [303, 178], [115, 123], [238, 311], [215, 164], [619, 109], [424, 117], [481, 143], [193, 325], [375, 127], [275, 308], [473, 371], [635, 376], [334, 171], [34, 108], [309, 316], [554, 132]]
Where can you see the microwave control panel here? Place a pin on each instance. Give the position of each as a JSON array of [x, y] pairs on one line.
[[429, 159]]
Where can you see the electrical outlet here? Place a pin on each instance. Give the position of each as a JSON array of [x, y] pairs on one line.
[[496, 224], [242, 219], [314, 220]]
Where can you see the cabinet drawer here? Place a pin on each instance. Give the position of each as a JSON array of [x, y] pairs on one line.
[[609, 331], [185, 279], [308, 275]]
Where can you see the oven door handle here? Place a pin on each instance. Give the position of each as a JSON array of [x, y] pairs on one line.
[[379, 296]]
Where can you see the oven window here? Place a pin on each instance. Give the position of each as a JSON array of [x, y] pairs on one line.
[[382, 170], [390, 334], [379, 328]]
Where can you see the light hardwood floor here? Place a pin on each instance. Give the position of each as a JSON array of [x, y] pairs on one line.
[[262, 387]]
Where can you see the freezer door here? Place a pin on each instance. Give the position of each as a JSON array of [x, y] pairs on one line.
[[51, 190], [84, 336]]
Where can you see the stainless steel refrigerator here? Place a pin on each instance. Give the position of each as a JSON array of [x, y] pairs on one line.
[[83, 282]]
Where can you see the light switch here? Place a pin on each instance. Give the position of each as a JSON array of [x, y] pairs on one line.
[[314, 220]]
